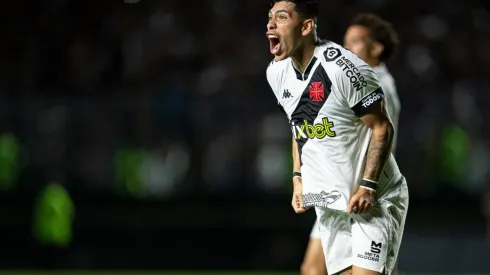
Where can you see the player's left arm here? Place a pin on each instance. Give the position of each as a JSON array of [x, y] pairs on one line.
[[379, 147], [361, 91]]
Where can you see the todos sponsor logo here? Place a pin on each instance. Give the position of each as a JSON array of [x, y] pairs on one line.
[[370, 99]]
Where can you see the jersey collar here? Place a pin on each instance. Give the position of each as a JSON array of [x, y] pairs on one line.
[[304, 76]]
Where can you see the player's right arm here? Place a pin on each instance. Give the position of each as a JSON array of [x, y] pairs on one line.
[[296, 162], [274, 76], [297, 201]]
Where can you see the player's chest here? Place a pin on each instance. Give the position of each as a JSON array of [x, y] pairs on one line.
[[310, 90]]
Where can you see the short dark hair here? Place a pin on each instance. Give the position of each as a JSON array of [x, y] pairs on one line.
[[381, 31], [306, 8]]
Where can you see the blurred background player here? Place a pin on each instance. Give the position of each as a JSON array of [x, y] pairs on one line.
[[375, 41]]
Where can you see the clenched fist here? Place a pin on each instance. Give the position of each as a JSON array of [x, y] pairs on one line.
[[297, 201], [361, 202]]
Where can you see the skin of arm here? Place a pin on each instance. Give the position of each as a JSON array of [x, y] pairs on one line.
[[297, 201], [379, 147], [296, 162]]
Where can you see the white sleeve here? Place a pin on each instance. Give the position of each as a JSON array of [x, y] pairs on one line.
[[357, 83]]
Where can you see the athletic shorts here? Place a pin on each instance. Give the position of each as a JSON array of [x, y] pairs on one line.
[[370, 240], [315, 231]]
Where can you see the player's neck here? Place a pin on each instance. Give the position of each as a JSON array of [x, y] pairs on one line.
[[303, 56]]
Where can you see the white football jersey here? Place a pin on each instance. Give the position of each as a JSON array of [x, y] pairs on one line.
[[324, 105], [393, 105]]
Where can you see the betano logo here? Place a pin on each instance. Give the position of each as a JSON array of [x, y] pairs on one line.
[[307, 130]]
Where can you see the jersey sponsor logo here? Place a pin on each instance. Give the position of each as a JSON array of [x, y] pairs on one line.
[[322, 199], [286, 94], [370, 99], [331, 54], [352, 73], [317, 91], [373, 255], [376, 247], [369, 256], [362, 107], [307, 130]]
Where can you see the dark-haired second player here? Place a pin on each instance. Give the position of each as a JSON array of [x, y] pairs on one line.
[[375, 41], [342, 140]]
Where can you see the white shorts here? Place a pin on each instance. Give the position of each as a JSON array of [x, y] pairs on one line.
[[370, 240], [315, 231]]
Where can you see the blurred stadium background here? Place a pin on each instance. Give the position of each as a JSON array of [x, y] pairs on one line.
[[145, 136]]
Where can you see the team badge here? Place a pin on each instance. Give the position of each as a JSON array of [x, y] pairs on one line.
[[317, 91]]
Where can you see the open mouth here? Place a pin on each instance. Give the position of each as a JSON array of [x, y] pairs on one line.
[[275, 44]]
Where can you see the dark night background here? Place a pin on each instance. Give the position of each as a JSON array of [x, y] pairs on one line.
[[153, 126]]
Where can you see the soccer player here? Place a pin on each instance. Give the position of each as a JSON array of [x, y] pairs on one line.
[[342, 137], [374, 41]]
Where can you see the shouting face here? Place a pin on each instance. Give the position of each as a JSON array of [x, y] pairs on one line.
[[284, 29]]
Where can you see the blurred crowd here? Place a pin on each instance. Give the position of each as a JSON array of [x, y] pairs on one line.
[[169, 98]]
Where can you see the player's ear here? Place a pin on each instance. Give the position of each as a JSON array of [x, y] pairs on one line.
[[308, 27], [376, 49]]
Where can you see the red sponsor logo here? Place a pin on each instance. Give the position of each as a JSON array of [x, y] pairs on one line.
[[317, 92]]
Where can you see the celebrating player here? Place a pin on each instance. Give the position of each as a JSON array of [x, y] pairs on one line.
[[342, 136], [374, 41]]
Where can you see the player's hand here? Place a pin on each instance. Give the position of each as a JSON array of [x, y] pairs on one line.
[[361, 202], [297, 201]]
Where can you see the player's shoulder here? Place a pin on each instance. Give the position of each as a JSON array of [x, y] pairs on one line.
[[334, 56], [276, 67], [276, 72], [345, 68]]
